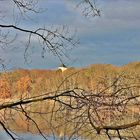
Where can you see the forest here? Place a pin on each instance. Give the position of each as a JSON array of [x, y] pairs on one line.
[[85, 101], [21, 82]]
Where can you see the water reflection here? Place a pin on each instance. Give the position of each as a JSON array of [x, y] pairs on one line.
[[29, 136]]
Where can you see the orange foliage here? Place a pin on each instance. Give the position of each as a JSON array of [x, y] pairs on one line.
[[95, 77], [4, 89], [24, 84]]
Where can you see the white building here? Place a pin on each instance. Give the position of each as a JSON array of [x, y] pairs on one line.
[[62, 67]]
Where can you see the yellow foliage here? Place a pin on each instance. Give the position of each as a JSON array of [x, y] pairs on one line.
[[24, 84], [4, 88]]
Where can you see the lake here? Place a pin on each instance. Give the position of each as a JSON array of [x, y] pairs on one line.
[[29, 136]]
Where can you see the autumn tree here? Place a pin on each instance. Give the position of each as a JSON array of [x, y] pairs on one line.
[[5, 91], [23, 85]]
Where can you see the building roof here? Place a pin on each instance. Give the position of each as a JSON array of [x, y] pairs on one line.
[[62, 65]]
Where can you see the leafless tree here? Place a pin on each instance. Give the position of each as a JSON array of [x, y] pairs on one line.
[[56, 40], [89, 8], [111, 112], [71, 112]]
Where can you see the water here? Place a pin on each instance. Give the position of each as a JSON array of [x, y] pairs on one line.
[[29, 136]]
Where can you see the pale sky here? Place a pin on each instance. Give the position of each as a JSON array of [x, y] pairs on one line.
[[113, 38]]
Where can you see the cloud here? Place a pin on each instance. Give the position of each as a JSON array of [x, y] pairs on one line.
[[122, 14], [112, 38], [116, 15], [122, 9]]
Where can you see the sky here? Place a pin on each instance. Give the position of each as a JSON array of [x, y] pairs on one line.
[[113, 38]]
